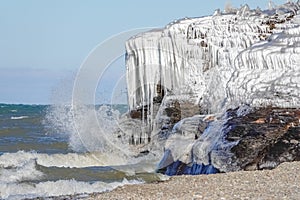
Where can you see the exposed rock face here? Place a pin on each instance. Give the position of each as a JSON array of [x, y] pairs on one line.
[[262, 137], [266, 137]]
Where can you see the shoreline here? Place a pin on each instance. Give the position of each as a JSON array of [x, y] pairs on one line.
[[279, 183]]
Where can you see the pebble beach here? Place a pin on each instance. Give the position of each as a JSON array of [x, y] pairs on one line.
[[280, 183]]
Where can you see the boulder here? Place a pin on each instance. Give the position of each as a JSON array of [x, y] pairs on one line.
[[244, 138], [266, 137]]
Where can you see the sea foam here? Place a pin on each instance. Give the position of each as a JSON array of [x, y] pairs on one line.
[[13, 191], [20, 117], [77, 160], [20, 176]]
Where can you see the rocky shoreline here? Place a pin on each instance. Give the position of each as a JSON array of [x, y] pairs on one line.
[[244, 138]]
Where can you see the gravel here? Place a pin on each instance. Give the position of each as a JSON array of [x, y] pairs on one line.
[[280, 183]]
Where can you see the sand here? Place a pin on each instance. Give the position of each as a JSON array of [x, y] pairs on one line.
[[280, 183]]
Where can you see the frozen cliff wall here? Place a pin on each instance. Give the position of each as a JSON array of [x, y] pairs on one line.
[[268, 73], [161, 58], [242, 56]]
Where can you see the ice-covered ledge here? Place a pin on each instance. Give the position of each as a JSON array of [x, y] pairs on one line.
[[229, 58]]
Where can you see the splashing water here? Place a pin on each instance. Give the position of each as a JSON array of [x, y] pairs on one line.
[[84, 132]]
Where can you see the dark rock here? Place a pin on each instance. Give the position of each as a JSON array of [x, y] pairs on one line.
[[140, 113], [243, 139], [266, 137], [286, 149], [174, 112], [143, 153], [136, 114], [157, 99]]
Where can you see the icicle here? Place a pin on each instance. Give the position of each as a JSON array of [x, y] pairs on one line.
[[229, 43], [271, 5]]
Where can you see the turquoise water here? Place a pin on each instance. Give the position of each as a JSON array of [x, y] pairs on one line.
[[36, 158]]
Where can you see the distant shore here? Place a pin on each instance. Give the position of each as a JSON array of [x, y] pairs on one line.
[[280, 183]]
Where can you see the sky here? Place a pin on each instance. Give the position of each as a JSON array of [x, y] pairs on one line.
[[44, 42]]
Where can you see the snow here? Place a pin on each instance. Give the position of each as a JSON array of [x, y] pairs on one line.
[[227, 59]]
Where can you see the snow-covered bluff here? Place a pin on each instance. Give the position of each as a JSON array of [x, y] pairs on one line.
[[220, 61]]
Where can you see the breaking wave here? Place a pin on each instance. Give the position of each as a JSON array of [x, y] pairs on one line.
[[21, 117], [57, 188]]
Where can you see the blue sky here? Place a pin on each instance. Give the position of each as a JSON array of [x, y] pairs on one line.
[[42, 42]]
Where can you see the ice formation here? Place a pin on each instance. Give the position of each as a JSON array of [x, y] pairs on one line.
[[238, 56]]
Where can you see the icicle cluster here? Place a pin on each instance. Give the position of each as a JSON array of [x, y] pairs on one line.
[[240, 56]]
